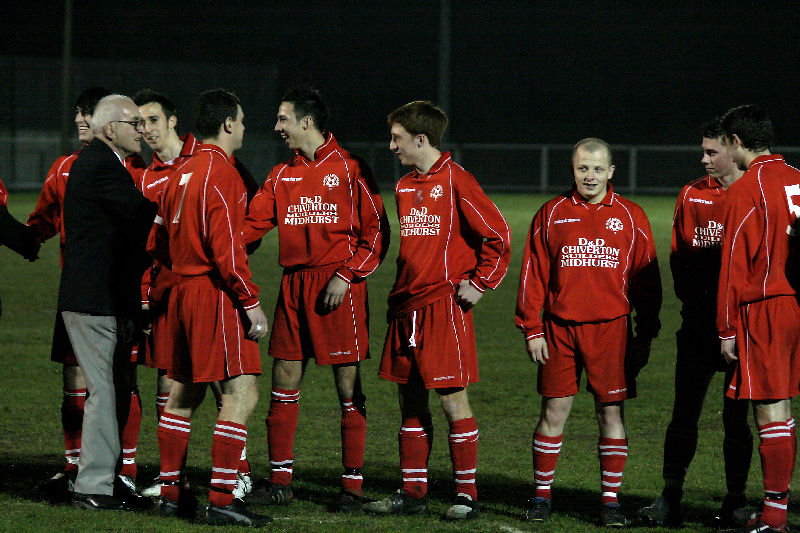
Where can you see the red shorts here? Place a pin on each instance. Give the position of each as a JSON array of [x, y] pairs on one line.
[[435, 342], [61, 351], [156, 349], [302, 330], [768, 347], [598, 347], [207, 333]]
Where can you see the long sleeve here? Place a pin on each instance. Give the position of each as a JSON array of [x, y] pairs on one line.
[[485, 221], [677, 257], [534, 278], [743, 236], [45, 219], [645, 280], [370, 239], [262, 215], [225, 212]]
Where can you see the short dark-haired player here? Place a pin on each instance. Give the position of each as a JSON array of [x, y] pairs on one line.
[[589, 260], [757, 308], [332, 234], [454, 245], [170, 152], [214, 316], [697, 230]]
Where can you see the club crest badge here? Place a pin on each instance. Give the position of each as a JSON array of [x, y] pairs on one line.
[[614, 224], [331, 181], [437, 192]]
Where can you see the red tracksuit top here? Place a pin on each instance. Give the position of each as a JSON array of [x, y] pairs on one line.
[[589, 263], [198, 230], [328, 212], [697, 231], [449, 231], [759, 251]]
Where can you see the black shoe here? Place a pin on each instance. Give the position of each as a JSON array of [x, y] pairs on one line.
[[539, 510], [611, 516], [267, 493], [237, 513], [733, 513], [56, 490], [463, 508], [133, 501], [186, 506], [662, 512], [346, 502], [97, 502], [398, 503]]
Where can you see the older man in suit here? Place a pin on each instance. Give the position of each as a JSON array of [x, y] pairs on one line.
[[106, 221]]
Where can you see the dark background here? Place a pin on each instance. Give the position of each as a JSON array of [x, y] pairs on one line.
[[521, 72]]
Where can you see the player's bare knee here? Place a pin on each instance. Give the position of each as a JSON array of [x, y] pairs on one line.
[[769, 411], [286, 374], [73, 377], [455, 403]]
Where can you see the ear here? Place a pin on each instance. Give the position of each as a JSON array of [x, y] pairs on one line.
[[421, 139], [108, 130], [172, 122], [611, 172], [228, 125], [306, 122], [737, 141]]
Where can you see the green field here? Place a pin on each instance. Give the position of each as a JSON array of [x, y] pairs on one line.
[[505, 404]]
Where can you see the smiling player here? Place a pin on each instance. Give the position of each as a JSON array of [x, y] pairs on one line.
[[589, 257]]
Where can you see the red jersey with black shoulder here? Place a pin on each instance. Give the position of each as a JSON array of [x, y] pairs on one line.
[[328, 212], [697, 231], [449, 231], [199, 225], [760, 248], [588, 263]]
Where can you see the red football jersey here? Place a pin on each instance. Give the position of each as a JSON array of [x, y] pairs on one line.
[[327, 211], [153, 181], [449, 231], [697, 231], [154, 177], [759, 251], [589, 263], [46, 216], [198, 230]]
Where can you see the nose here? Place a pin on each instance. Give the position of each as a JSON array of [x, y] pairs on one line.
[[277, 127]]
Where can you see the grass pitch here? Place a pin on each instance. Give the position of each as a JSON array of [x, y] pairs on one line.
[[505, 403]]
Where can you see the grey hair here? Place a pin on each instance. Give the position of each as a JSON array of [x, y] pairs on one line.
[[107, 110]]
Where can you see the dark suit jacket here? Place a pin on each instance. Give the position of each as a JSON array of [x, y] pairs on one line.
[[106, 221]]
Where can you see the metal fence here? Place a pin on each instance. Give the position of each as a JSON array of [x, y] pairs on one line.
[[643, 169]]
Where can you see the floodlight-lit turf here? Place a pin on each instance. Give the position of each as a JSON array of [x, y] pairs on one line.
[[505, 403]]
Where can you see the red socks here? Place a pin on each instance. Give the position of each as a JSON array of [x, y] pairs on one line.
[[161, 403], [226, 453], [130, 437], [72, 422], [416, 437], [777, 464], [173, 440], [613, 453], [545, 456], [463, 441], [281, 427], [354, 436]]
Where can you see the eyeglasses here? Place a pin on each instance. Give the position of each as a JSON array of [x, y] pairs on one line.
[[137, 124]]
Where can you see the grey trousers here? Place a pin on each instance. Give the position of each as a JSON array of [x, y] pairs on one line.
[[102, 347]]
